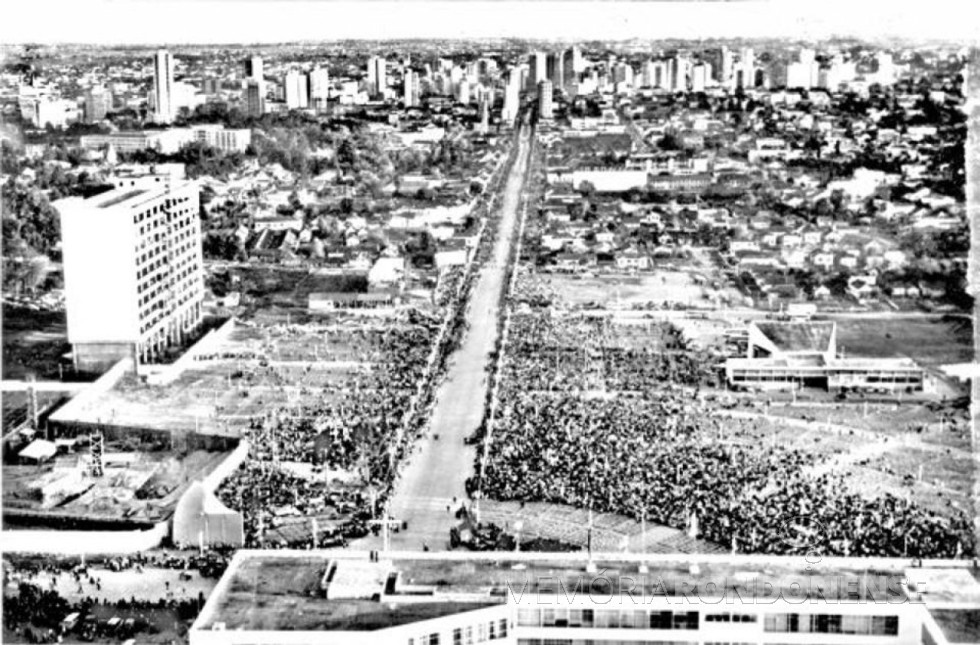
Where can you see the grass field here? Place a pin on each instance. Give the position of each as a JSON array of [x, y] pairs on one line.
[[930, 343]]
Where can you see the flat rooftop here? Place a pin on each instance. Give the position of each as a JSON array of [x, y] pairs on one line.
[[297, 590]]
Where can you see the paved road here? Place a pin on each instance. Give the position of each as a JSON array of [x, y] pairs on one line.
[[437, 471]]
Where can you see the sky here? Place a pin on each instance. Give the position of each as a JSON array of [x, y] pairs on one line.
[[270, 21]]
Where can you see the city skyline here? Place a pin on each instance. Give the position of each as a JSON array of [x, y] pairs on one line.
[[317, 20]]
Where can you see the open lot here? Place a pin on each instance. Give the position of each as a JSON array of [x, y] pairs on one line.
[[931, 343], [139, 486], [34, 343]]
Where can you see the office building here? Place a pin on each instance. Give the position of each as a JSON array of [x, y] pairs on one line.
[[254, 98], [134, 275], [98, 103], [554, 69], [351, 598], [512, 97], [296, 88], [545, 100], [700, 74], [805, 73], [44, 110], [319, 88], [886, 74], [224, 139], [791, 355], [411, 88], [538, 69], [377, 76], [165, 141], [253, 68], [164, 109]]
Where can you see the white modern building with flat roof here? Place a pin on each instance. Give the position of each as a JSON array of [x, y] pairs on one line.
[[465, 598], [134, 272]]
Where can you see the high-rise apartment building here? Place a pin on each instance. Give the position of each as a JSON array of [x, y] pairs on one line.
[[296, 88], [545, 100], [805, 73], [512, 96], [134, 274], [253, 68], [255, 98], [164, 109], [377, 75], [411, 89], [98, 103], [539, 68], [319, 88]]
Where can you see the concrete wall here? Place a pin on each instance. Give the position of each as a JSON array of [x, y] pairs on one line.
[[100, 357]]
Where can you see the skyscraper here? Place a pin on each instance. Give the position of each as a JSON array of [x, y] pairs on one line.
[[296, 90], [512, 96], [411, 88], [163, 83], [319, 87], [545, 98], [699, 77], [253, 68], [377, 75], [554, 69], [255, 98], [539, 69]]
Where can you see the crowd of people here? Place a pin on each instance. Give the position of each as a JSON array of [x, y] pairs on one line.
[[665, 458], [356, 428], [594, 416]]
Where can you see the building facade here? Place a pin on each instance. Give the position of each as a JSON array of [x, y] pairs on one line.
[[163, 87], [134, 272], [349, 598]]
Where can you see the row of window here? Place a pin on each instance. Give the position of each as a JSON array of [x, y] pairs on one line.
[[469, 635], [730, 618], [614, 619], [832, 624]]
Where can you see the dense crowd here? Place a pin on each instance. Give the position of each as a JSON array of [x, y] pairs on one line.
[[356, 427], [661, 457], [596, 415]]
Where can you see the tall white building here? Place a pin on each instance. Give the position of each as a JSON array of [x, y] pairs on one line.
[[134, 272], [805, 73], [512, 96], [296, 90], [700, 74], [377, 75], [411, 89], [539, 68], [546, 106], [164, 108], [319, 87]]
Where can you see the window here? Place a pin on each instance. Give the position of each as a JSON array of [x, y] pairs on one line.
[[493, 630], [884, 625], [686, 620], [458, 636], [469, 636], [502, 631], [661, 619]]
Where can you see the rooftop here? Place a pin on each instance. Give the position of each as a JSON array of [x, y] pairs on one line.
[[344, 590], [798, 336]]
